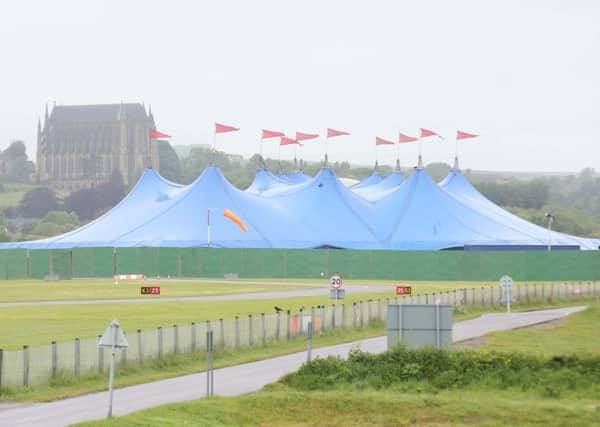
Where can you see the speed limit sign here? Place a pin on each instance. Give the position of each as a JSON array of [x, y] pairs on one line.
[[336, 281]]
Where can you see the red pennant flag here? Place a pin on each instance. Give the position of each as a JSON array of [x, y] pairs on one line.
[[304, 136], [426, 132], [288, 141], [402, 139], [271, 134], [157, 135], [465, 135], [332, 132], [219, 128], [381, 141]]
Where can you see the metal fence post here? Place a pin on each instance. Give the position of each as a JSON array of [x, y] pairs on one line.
[[287, 334], [26, 365], [379, 312], [193, 337], [354, 315], [263, 329], [140, 347], [277, 325], [332, 316], [362, 313], [54, 359], [492, 303], [482, 297], [123, 356], [250, 331], [323, 317], [77, 356], [175, 339], [222, 331], [369, 313], [100, 357], [237, 332], [159, 336]]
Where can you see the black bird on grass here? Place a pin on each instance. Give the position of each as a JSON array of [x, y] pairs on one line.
[[278, 309]]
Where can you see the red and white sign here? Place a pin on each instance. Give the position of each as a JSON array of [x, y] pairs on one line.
[[403, 290], [336, 281], [150, 290]]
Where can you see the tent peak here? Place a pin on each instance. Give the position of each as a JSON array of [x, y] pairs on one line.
[[455, 168], [420, 163], [397, 165]]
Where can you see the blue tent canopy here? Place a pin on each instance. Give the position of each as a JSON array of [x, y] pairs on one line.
[[381, 189]]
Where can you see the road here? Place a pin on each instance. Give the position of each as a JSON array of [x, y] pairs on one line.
[[293, 293], [236, 380]]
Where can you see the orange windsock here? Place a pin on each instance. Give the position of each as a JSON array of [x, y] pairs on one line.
[[228, 214]]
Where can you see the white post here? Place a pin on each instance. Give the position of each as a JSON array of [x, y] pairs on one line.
[[112, 370], [508, 296]]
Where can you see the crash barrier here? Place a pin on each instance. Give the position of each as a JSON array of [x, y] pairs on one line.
[[300, 263], [38, 365]]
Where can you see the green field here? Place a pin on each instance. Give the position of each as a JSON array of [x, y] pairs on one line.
[[75, 290], [11, 198], [553, 398]]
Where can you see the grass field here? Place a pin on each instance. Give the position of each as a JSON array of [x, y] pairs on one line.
[[577, 333], [12, 198], [74, 290]]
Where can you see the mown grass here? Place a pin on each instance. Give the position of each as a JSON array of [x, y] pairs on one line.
[[577, 333], [94, 289]]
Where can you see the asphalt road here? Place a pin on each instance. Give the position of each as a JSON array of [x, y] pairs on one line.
[[320, 291], [235, 380]]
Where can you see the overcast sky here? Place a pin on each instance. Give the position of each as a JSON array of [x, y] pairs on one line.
[[523, 74]]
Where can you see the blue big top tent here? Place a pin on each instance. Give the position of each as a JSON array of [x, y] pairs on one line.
[[303, 212]]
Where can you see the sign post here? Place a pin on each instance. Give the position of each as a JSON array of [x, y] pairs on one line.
[[112, 337], [506, 283], [336, 282]]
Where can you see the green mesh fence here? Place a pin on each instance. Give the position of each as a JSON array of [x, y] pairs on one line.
[[295, 263]]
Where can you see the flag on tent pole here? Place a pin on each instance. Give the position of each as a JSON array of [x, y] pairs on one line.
[[271, 134], [221, 128], [461, 135], [426, 132], [331, 133], [464, 135], [288, 141], [154, 134], [305, 136], [403, 139], [381, 141]]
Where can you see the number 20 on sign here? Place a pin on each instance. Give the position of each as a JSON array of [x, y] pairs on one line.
[[403, 290]]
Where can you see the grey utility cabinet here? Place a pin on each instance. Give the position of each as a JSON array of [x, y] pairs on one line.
[[420, 325]]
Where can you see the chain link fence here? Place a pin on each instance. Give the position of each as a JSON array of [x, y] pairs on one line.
[[39, 365]]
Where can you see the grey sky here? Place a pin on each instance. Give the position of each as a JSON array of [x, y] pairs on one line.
[[524, 74]]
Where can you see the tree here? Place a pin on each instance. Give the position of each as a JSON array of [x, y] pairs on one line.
[[16, 164], [170, 165], [38, 202]]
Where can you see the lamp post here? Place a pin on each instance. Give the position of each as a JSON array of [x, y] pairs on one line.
[[550, 220]]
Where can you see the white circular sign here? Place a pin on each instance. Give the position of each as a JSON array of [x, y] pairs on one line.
[[506, 281], [336, 281]]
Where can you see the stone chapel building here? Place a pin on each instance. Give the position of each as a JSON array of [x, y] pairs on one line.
[[79, 146]]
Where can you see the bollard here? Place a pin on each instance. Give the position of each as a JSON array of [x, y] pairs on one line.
[[250, 331], [175, 339], [264, 328], [140, 347], [77, 356], [193, 341], [277, 325], [26, 365], [54, 359], [237, 332], [100, 357], [159, 337]]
